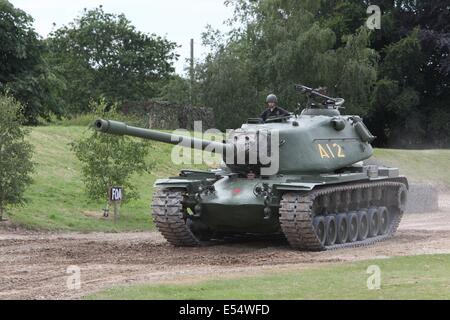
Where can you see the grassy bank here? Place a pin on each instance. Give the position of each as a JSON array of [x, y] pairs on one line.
[[57, 200], [432, 166], [418, 277]]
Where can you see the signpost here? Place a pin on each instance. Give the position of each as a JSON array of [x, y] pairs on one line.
[[116, 196]]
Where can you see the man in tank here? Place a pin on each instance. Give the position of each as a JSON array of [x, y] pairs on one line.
[[273, 110]]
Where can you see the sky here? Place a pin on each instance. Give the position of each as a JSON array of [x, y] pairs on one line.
[[177, 20]]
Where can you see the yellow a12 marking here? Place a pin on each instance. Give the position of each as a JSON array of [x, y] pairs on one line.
[[331, 151]]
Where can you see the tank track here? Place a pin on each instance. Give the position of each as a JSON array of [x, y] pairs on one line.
[[297, 211], [169, 218]]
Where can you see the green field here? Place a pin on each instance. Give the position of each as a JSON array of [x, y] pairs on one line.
[[419, 277], [57, 201]]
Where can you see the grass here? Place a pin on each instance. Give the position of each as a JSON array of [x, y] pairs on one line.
[[420, 165], [418, 277], [57, 200]]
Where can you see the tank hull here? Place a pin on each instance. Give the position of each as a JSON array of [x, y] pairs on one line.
[[234, 208], [232, 205]]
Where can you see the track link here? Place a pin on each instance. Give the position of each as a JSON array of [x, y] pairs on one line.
[[170, 219], [297, 212]]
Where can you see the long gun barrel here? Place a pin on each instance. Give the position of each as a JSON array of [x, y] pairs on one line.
[[120, 128]]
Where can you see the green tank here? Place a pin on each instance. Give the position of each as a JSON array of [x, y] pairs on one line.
[[300, 176]]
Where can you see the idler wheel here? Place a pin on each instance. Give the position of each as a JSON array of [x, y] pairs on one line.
[[352, 227], [342, 228], [331, 227], [320, 228], [384, 220], [363, 225], [374, 222]]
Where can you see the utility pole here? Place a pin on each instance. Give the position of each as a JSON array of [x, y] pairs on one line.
[[191, 73]]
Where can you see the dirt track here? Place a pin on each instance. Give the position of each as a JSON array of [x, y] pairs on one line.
[[33, 265]]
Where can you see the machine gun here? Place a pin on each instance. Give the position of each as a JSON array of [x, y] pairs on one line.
[[313, 94]]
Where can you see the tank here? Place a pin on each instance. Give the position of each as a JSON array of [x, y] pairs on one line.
[[301, 176]]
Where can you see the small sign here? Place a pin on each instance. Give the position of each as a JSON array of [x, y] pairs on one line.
[[116, 194]]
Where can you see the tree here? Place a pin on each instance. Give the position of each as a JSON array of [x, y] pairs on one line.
[[394, 117], [227, 88], [102, 54], [16, 165], [110, 160], [24, 73], [274, 45], [398, 77], [411, 96], [176, 90]]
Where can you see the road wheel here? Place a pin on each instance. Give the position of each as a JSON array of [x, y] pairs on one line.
[[373, 218], [363, 225], [384, 220], [352, 227], [342, 228], [321, 230], [331, 227]]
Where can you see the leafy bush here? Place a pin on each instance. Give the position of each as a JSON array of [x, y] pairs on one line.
[[16, 165], [110, 160]]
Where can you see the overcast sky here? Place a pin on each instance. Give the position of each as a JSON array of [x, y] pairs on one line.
[[178, 20]]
